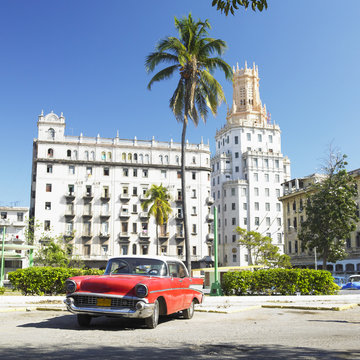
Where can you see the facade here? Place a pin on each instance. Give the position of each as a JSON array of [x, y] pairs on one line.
[[247, 170], [91, 190], [13, 220], [294, 196]]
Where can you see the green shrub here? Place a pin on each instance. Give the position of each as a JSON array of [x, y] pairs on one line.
[[2, 290], [45, 280], [279, 282]]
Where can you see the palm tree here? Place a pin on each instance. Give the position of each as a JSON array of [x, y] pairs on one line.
[[190, 56], [158, 197]]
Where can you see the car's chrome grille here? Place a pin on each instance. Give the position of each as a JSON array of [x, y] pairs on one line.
[[88, 300]]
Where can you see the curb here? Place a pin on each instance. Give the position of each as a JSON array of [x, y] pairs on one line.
[[218, 311], [304, 307]]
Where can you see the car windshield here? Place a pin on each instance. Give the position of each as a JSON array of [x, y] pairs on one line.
[[355, 278], [136, 266]]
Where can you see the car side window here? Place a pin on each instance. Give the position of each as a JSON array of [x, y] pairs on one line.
[[182, 271], [173, 269]]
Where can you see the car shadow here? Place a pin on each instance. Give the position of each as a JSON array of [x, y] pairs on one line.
[[69, 322]]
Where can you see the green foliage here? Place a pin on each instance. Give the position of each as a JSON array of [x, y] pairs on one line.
[[279, 282], [261, 251], [231, 5], [54, 253], [330, 212], [2, 290], [45, 280]]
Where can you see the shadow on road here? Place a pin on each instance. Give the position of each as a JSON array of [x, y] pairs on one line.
[[209, 351], [69, 322]]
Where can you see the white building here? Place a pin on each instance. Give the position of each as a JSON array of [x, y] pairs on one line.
[[13, 221], [93, 188], [248, 170]]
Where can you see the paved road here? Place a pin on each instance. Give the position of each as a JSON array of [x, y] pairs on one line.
[[256, 334]]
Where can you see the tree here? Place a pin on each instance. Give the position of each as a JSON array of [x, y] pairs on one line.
[[160, 208], [53, 253], [231, 5], [331, 212], [260, 249], [190, 56]]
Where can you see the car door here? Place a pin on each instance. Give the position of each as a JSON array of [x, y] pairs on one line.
[[185, 281], [176, 291]]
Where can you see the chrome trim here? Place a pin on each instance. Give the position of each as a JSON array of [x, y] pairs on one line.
[[102, 295], [156, 291], [147, 311]]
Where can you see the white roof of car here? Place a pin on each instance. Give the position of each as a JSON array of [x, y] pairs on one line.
[[163, 258]]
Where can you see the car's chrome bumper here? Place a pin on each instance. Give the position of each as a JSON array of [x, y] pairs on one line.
[[142, 311]]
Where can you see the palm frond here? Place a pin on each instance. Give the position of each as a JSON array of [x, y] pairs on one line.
[[163, 74], [177, 101], [156, 58]]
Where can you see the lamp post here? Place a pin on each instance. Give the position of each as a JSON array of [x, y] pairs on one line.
[[215, 286], [2, 258]]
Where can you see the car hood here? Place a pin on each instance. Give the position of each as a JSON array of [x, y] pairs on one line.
[[114, 284]]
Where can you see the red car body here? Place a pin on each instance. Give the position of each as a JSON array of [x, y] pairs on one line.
[[135, 287]]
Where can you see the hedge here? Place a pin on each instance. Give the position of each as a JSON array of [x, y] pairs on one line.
[[279, 282], [45, 280]]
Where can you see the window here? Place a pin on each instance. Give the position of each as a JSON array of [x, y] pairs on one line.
[[49, 169], [71, 189], [236, 155], [193, 193], [236, 140], [3, 215], [47, 225], [134, 227], [71, 169], [134, 172], [233, 206], [278, 221], [177, 159], [267, 177], [179, 250], [134, 249], [163, 174], [194, 228], [277, 178], [20, 216], [256, 191], [130, 157], [194, 250], [106, 171], [277, 164], [266, 163], [278, 207], [134, 210], [87, 250], [267, 192], [234, 238], [194, 160], [48, 187], [267, 221], [124, 249], [257, 222], [267, 206], [259, 138], [236, 169], [145, 173], [193, 175], [135, 192], [178, 174], [88, 190], [248, 136], [256, 206], [48, 206], [256, 176], [50, 153], [233, 221], [234, 257], [245, 221], [270, 138], [193, 210], [279, 238], [245, 206], [51, 134], [126, 172], [277, 191], [255, 162], [86, 155], [243, 191], [232, 191], [68, 153], [88, 170]]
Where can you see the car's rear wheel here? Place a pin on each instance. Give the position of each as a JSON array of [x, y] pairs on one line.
[[152, 321], [189, 313], [83, 319]]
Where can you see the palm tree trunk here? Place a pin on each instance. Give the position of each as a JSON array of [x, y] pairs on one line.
[[157, 239], [183, 194]]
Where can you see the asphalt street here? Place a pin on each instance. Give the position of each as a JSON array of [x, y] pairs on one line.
[[260, 333]]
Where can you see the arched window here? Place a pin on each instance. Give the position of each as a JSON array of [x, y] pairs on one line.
[[135, 157], [50, 153], [51, 134], [109, 155], [161, 159], [134, 249], [141, 158], [68, 153], [177, 159], [194, 160], [86, 155], [166, 159], [93, 155], [123, 157], [146, 158], [75, 155], [339, 268], [103, 156], [349, 267], [130, 157]]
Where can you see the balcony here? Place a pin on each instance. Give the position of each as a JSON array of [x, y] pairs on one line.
[[124, 235], [143, 215], [88, 196], [163, 235], [69, 213], [178, 199], [87, 214], [70, 196], [210, 217], [105, 214], [179, 217], [210, 237], [86, 235], [124, 214], [104, 236], [144, 234], [105, 197], [210, 200], [143, 197], [179, 236], [124, 197]]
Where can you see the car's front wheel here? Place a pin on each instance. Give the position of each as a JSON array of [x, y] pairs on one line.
[[152, 321], [189, 313], [83, 319]]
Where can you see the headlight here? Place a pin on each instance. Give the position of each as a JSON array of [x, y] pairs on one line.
[[70, 286], [141, 290]]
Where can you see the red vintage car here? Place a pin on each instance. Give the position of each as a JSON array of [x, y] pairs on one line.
[[135, 287]]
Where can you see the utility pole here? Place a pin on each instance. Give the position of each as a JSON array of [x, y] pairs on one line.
[[215, 286]]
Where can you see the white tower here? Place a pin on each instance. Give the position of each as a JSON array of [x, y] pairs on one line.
[[248, 170]]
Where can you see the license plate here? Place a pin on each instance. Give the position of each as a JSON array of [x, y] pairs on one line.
[[103, 302]]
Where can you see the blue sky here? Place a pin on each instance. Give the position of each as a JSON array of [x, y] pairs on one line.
[[86, 59]]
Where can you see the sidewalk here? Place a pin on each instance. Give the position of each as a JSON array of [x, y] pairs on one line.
[[216, 304]]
